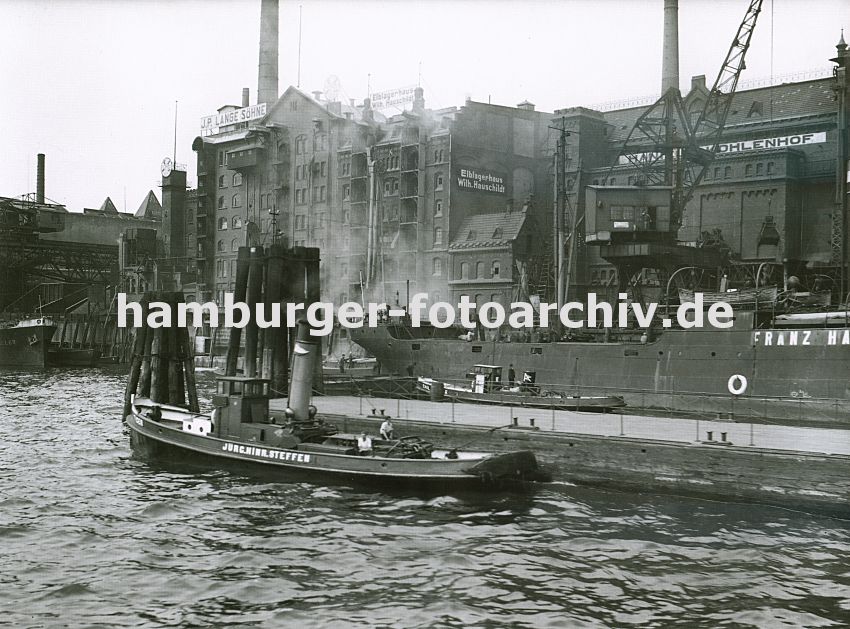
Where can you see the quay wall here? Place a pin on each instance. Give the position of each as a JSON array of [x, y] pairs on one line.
[[791, 479]]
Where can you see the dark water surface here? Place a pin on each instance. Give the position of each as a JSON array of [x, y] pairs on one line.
[[90, 537]]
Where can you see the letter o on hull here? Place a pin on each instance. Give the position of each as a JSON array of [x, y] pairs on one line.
[[737, 384]]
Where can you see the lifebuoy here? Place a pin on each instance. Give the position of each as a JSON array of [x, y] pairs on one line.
[[737, 384]]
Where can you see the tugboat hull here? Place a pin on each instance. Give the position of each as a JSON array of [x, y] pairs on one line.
[[152, 439]]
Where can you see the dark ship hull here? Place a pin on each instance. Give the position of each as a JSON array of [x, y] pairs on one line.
[[25, 346], [796, 373]]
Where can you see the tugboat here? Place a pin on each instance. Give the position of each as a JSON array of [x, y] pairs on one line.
[[487, 387], [26, 342], [241, 429]]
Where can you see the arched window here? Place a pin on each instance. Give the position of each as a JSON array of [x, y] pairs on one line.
[[234, 245], [222, 222], [494, 269], [220, 202], [438, 267], [237, 179], [219, 246], [237, 222], [221, 181], [479, 272], [464, 270], [438, 208], [236, 201], [438, 236], [438, 181]]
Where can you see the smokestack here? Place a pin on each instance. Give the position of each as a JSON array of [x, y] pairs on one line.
[[39, 185], [269, 17], [246, 97], [670, 59]]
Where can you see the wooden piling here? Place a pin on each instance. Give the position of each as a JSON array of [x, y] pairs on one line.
[[189, 367], [242, 267], [135, 366], [276, 341], [254, 296], [156, 368]]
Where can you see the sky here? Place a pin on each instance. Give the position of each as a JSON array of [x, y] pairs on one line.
[[93, 84]]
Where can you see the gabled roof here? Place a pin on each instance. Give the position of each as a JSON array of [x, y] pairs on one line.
[[150, 207], [108, 206], [344, 108], [494, 229]]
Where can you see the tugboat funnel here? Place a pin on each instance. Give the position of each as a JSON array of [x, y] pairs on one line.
[[304, 357]]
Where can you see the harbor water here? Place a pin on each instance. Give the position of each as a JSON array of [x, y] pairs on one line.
[[92, 537]]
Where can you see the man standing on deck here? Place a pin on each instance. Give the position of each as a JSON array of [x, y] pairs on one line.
[[511, 375], [342, 364]]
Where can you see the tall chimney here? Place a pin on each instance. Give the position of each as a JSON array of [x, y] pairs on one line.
[[39, 185], [269, 16], [670, 59], [246, 97]]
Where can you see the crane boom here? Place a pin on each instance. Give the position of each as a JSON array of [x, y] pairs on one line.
[[667, 148]]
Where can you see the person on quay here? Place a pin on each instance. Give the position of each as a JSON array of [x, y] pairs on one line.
[[342, 364]]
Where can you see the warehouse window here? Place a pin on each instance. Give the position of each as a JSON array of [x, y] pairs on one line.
[[236, 201], [237, 179], [237, 222], [438, 236], [222, 222]]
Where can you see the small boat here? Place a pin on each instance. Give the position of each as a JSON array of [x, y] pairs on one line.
[[240, 429], [486, 387], [25, 342]]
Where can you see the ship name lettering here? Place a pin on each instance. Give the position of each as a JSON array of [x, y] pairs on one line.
[[792, 337], [282, 455], [845, 340], [832, 337], [8, 342], [768, 338], [806, 335]]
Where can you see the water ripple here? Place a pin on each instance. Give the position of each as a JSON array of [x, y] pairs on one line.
[[85, 528]]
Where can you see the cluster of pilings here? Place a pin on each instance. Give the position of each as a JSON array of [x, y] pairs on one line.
[[94, 331], [274, 275], [162, 366]]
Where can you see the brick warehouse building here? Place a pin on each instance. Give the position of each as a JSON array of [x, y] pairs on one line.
[[774, 191], [390, 200], [383, 198]]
